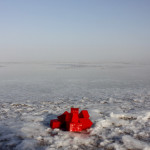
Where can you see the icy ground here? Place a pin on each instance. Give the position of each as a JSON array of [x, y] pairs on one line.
[[117, 97]]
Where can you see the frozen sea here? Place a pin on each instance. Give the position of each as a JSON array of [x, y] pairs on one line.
[[117, 96]]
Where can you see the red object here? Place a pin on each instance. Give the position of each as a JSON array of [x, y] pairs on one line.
[[73, 121], [86, 123], [74, 127], [55, 124], [65, 117], [84, 114], [75, 110], [74, 117]]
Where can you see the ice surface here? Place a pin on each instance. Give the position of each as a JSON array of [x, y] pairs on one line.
[[116, 95]]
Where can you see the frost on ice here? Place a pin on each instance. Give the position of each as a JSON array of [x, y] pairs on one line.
[[119, 110], [23, 128]]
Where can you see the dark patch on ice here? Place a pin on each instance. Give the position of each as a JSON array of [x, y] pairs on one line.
[[48, 118], [9, 139]]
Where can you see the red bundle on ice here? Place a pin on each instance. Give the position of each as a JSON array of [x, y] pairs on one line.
[[73, 121]]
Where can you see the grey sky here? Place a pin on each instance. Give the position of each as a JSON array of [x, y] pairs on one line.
[[76, 31]]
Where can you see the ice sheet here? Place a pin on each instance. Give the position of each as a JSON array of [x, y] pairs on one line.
[[117, 97]]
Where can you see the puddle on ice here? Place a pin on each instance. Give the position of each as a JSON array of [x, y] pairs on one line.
[[117, 99]]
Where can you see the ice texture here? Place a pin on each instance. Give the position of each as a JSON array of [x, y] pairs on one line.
[[116, 95]]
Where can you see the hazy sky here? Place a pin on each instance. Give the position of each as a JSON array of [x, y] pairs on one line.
[[75, 30]]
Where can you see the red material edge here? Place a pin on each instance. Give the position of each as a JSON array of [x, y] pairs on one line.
[[74, 121]]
